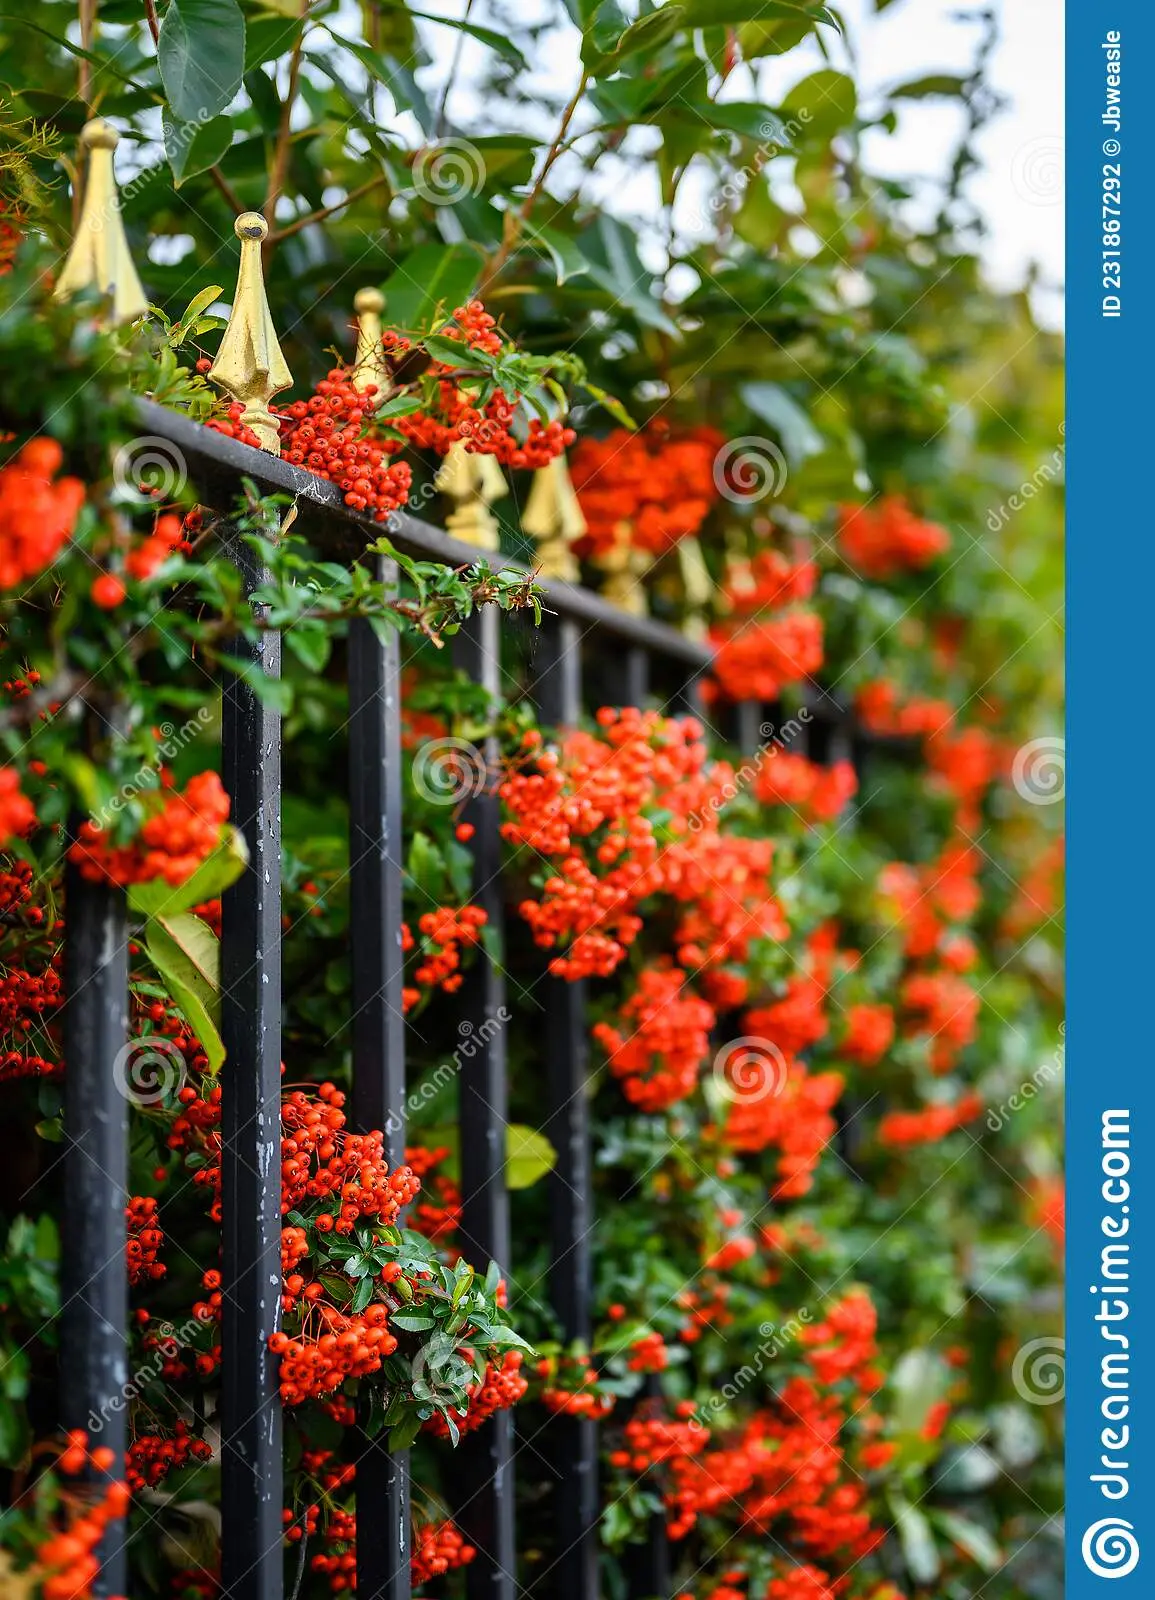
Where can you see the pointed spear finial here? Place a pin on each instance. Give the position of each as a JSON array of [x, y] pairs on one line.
[[553, 516], [249, 364], [99, 258], [473, 482], [369, 366]]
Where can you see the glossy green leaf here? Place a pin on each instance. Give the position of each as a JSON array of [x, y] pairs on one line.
[[201, 53], [193, 147], [155, 898], [185, 951]]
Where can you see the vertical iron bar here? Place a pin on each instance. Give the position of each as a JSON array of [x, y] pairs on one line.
[[572, 1441], [485, 1458], [94, 1278], [637, 684], [748, 726], [251, 1462], [375, 914]]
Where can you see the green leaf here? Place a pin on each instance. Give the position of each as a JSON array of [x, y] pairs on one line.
[[937, 83], [770, 401], [711, 13], [201, 54], [970, 1536], [615, 265], [430, 284], [362, 1295], [193, 147], [824, 104], [564, 252], [528, 1156], [403, 1433], [487, 36], [267, 37], [224, 866], [411, 1321], [917, 1540], [184, 950], [199, 302]]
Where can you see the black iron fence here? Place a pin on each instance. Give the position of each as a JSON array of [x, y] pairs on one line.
[[93, 1350]]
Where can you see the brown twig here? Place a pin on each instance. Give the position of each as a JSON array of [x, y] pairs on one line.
[[150, 18], [280, 163], [515, 222], [290, 228]]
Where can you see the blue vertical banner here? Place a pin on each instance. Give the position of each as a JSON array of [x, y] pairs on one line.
[[1110, 1334]]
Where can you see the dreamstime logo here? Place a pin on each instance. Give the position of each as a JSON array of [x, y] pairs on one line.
[[749, 469], [1039, 1371], [447, 771], [448, 172], [472, 1040], [1037, 171], [147, 1071], [149, 469], [749, 1069], [1110, 1548], [441, 1368], [1039, 773]]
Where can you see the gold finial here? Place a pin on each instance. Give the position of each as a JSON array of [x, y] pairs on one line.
[[369, 365], [249, 363], [553, 516], [99, 258], [697, 588], [473, 482], [625, 568]]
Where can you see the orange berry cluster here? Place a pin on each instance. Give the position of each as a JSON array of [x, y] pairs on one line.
[[815, 793], [884, 539], [488, 430], [17, 813], [347, 1172], [68, 1555], [569, 1386], [659, 482], [180, 832], [648, 1354], [438, 1547], [869, 1033], [445, 933], [663, 1039], [758, 651], [350, 1347], [37, 515]]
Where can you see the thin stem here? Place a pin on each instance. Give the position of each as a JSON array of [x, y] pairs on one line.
[[150, 18], [291, 228], [515, 222], [280, 163]]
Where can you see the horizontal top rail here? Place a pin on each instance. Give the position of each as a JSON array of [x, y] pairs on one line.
[[216, 463]]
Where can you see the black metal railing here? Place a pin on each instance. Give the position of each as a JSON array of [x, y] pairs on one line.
[[96, 1034]]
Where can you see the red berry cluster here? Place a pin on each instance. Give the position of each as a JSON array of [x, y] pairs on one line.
[[658, 485], [882, 540], [144, 1240], [181, 830], [152, 1456], [569, 1386], [438, 1547], [331, 435], [68, 1556], [37, 514]]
